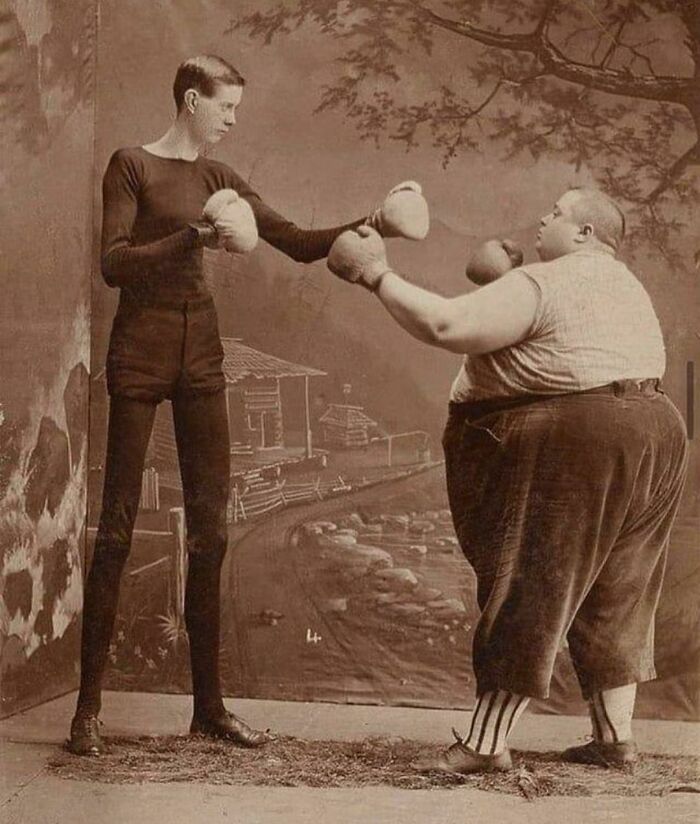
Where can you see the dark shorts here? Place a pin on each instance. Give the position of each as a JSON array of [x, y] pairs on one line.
[[563, 506], [157, 352]]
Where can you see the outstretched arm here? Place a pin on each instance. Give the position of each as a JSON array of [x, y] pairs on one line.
[[493, 317], [302, 245], [404, 213]]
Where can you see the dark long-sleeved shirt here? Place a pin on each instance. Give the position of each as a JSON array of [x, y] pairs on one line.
[[148, 246]]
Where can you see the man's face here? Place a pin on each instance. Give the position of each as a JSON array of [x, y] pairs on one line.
[[215, 115], [559, 229]]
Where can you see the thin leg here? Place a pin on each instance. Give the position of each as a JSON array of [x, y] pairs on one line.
[[201, 427], [130, 424]]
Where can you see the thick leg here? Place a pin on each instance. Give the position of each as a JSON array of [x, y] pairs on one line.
[[611, 717], [130, 424], [527, 493], [493, 719], [611, 639], [548, 504], [611, 714], [485, 749]]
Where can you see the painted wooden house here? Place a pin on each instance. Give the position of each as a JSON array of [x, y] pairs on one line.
[[346, 426], [253, 403]]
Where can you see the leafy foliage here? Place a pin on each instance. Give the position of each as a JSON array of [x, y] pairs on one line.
[[612, 85]]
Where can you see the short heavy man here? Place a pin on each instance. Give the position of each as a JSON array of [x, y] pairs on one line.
[[565, 464]]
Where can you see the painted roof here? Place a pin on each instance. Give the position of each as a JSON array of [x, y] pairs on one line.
[[243, 362], [341, 414]]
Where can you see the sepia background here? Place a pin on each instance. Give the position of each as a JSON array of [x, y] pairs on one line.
[[344, 581]]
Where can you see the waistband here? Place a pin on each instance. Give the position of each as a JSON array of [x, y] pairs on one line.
[[476, 409], [129, 302]]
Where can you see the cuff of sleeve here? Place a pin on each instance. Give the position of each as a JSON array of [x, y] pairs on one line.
[[201, 232]]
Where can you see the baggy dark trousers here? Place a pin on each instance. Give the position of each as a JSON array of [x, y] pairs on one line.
[[563, 506], [157, 353]]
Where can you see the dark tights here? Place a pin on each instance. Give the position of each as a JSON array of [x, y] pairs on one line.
[[201, 430]]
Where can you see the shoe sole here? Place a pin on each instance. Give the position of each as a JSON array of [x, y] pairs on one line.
[[83, 753], [231, 738], [605, 765], [451, 771]]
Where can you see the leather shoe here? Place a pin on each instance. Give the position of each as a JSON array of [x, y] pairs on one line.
[[85, 735], [603, 754], [230, 727], [459, 760]]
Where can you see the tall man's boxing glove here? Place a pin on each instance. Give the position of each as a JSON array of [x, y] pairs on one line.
[[404, 213], [233, 219]]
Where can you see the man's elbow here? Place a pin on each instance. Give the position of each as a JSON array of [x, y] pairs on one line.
[[444, 334], [433, 333]]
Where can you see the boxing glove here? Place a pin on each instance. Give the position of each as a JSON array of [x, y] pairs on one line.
[[233, 219], [359, 256], [493, 259], [404, 213]]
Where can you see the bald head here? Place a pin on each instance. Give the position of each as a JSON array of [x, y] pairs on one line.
[[591, 206], [581, 218]]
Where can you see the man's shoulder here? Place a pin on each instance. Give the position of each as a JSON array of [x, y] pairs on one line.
[[128, 154], [129, 161], [215, 165], [538, 267], [580, 261], [224, 175], [219, 167], [541, 272]]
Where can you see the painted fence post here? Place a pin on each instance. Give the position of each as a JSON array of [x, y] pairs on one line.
[[176, 525]]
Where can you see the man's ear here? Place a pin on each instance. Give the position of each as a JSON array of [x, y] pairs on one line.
[[190, 98], [585, 232]]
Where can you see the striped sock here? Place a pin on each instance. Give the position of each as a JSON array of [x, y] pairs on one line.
[[495, 715], [611, 714]]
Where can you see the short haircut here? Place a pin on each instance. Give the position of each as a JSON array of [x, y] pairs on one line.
[[204, 73], [601, 211]]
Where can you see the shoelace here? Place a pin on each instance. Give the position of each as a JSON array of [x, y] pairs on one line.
[[89, 724], [458, 737]]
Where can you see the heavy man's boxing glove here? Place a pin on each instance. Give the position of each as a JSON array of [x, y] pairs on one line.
[[359, 256], [493, 259]]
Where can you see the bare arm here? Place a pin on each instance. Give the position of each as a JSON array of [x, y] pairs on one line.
[[493, 317]]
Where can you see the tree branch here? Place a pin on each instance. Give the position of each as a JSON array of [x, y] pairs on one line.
[[665, 88], [689, 158]]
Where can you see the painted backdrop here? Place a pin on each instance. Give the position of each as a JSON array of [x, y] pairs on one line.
[[344, 581], [47, 66]]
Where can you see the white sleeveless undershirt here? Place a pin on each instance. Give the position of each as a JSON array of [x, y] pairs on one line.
[[594, 324]]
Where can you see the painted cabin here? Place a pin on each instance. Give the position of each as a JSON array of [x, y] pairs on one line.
[[253, 402], [346, 427]]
